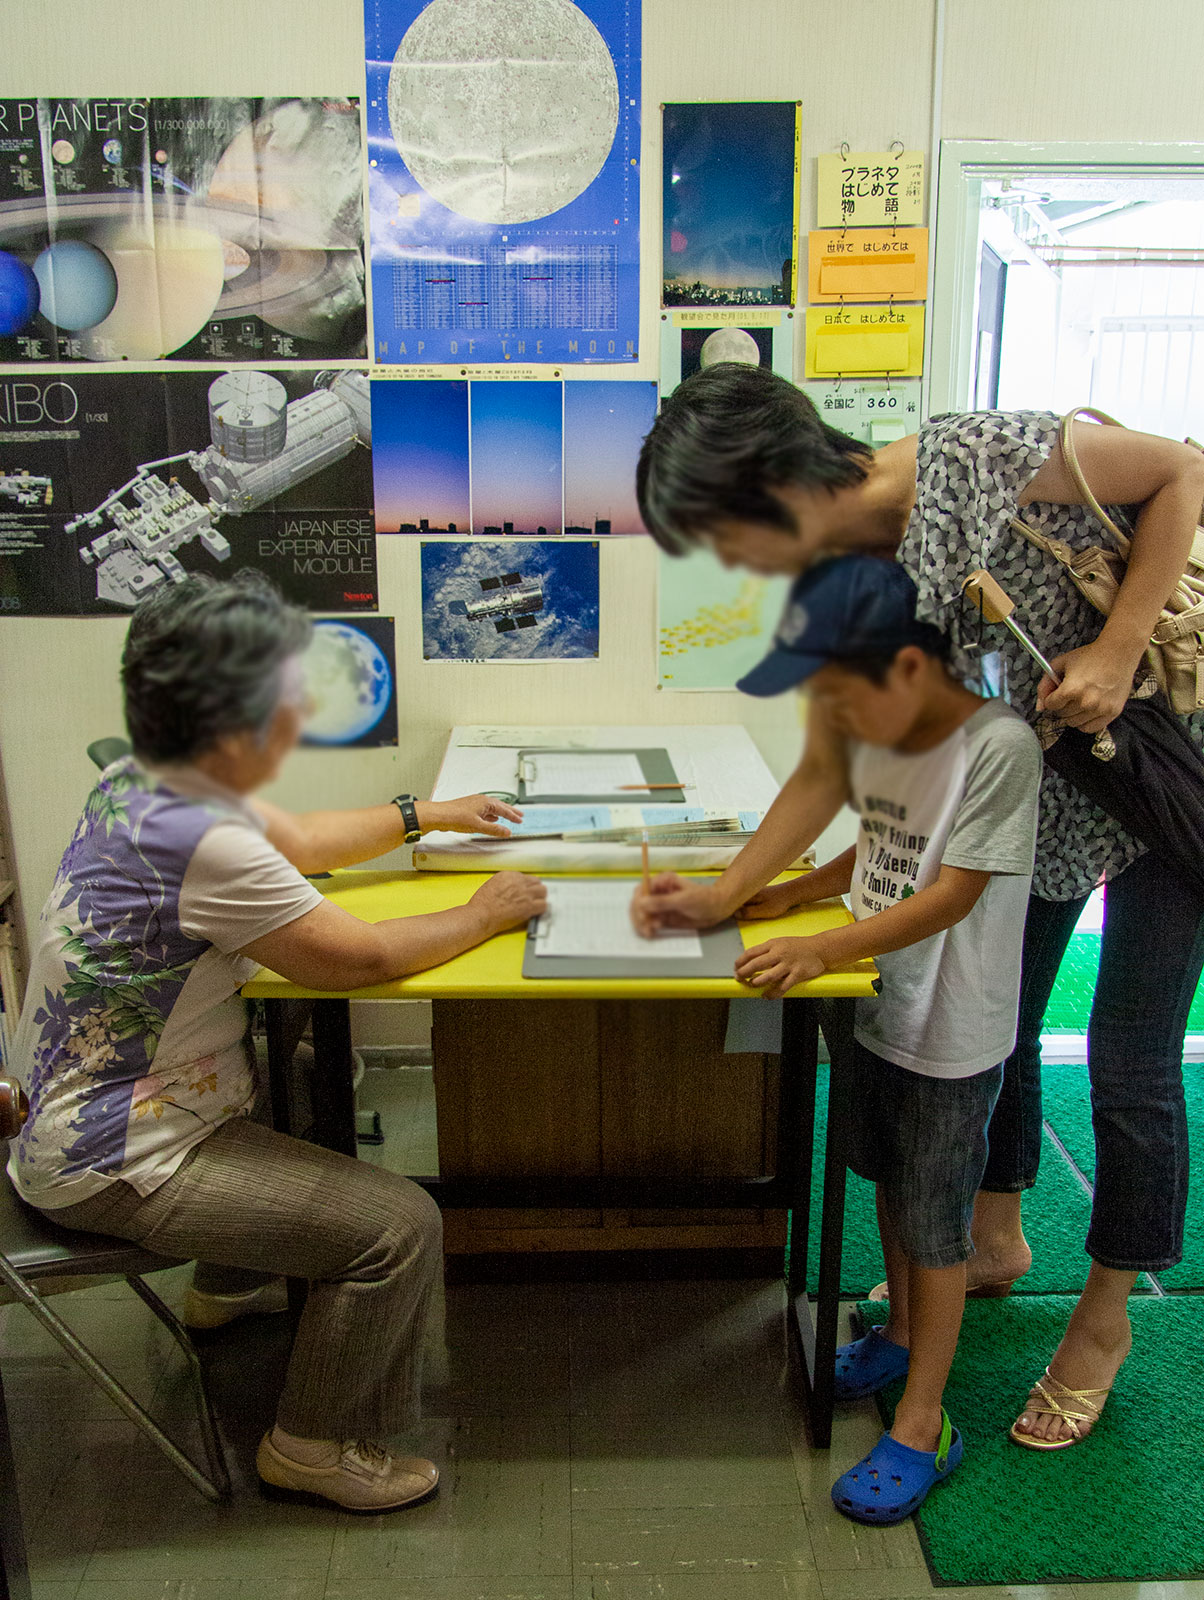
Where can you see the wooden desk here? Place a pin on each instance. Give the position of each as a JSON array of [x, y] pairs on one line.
[[492, 971]]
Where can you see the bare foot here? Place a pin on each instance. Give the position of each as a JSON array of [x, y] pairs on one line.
[[997, 1262], [919, 1431], [1087, 1358]]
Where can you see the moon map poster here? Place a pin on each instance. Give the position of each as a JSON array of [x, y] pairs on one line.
[[504, 147], [350, 669], [509, 459], [731, 203], [112, 484], [217, 229]]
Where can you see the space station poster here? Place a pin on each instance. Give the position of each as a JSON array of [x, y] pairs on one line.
[[216, 229], [731, 203], [501, 601], [504, 148], [508, 459], [112, 484], [350, 669]]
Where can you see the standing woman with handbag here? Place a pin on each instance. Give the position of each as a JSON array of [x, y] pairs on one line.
[[740, 461]]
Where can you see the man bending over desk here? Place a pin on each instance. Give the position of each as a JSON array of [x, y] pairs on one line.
[[134, 1040]]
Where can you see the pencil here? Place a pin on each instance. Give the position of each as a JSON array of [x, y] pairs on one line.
[[644, 859], [623, 788]]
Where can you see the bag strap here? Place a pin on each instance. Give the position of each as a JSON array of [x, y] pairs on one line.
[[1070, 456], [1053, 547]]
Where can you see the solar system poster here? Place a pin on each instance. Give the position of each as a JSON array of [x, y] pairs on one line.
[[731, 203], [215, 229], [350, 669], [529, 600], [509, 460], [112, 484], [504, 147]]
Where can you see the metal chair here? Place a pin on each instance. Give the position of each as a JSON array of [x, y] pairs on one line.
[[32, 1248]]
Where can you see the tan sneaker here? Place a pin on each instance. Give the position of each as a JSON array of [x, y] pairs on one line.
[[202, 1310], [365, 1478]]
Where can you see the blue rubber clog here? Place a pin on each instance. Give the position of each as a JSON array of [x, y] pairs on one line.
[[893, 1480], [867, 1365]]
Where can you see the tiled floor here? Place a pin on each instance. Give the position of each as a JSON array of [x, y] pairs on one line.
[[596, 1442]]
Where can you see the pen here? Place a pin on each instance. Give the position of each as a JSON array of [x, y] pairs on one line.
[[624, 788], [644, 859]]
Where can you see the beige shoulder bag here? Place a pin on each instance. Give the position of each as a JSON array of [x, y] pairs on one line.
[[1176, 650]]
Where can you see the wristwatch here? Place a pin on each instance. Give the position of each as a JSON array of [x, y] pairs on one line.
[[409, 816]]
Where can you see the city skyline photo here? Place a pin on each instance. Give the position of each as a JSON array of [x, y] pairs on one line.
[[730, 203]]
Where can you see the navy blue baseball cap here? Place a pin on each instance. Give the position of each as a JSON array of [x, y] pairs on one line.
[[841, 610]]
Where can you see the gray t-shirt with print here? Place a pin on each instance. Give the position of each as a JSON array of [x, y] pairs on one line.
[[947, 1005]]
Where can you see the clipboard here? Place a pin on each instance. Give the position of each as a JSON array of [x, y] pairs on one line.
[[655, 765], [722, 947]]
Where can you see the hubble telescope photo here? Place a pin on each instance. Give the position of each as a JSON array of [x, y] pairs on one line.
[[510, 600], [513, 600]]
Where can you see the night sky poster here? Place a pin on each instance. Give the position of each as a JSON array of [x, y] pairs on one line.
[[504, 194], [731, 204]]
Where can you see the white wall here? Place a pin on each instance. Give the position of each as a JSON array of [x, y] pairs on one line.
[[1017, 69]]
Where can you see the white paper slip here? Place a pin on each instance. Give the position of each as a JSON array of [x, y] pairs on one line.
[[593, 918], [558, 773]]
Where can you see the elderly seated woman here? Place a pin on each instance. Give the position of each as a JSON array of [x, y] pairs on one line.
[[134, 1039]]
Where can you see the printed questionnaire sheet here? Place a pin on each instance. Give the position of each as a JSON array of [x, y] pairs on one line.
[[605, 773], [593, 918]]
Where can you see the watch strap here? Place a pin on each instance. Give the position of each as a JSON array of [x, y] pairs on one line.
[[409, 815]]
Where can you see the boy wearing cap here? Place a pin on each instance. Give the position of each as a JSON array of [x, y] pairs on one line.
[[946, 787]]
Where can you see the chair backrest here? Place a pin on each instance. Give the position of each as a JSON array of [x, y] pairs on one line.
[[105, 751], [14, 1108]]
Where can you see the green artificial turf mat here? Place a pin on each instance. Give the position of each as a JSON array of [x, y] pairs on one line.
[[1126, 1505], [1070, 1004], [1056, 1214], [1066, 1102]]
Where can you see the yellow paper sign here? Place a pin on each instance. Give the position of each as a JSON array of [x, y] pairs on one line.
[[865, 341], [867, 264], [870, 189]]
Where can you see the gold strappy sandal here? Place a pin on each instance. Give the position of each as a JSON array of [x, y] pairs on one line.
[[1052, 1406]]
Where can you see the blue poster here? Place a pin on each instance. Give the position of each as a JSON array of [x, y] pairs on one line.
[[504, 144]]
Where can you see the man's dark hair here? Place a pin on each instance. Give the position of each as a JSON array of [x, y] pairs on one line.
[[202, 659], [724, 442]]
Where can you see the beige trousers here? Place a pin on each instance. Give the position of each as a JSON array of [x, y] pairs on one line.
[[368, 1240]]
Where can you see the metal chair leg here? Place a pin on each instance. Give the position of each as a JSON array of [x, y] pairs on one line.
[[204, 1406], [216, 1488]]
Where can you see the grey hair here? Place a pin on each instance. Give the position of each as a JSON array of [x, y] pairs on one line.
[[203, 659]]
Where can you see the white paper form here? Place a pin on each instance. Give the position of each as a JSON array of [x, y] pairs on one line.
[[593, 918], [553, 772]]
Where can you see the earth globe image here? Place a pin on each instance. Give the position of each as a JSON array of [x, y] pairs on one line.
[[19, 294], [78, 284], [349, 682]]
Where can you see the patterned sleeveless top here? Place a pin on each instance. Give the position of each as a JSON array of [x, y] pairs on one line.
[[970, 471]]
